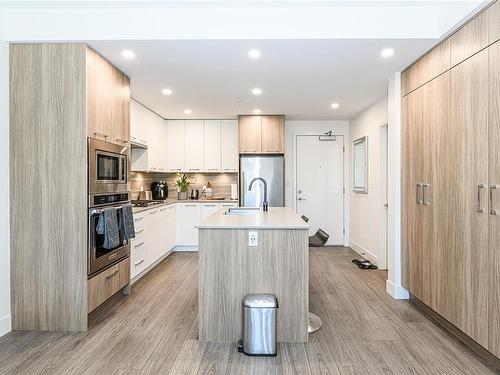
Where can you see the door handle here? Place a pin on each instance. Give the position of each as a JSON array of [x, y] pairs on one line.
[[424, 187], [492, 203], [302, 199], [480, 188], [419, 185], [111, 275]]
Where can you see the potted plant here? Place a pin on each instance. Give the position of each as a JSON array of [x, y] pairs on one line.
[[182, 184]]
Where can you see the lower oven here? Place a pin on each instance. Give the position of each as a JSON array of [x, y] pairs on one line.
[[99, 258]]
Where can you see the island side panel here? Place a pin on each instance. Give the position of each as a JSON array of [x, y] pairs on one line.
[[229, 269]]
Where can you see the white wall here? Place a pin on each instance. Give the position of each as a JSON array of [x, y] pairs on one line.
[[393, 284], [365, 209], [294, 128], [5, 323]]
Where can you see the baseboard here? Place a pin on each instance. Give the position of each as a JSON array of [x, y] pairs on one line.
[[186, 248], [364, 252], [396, 291], [5, 325]]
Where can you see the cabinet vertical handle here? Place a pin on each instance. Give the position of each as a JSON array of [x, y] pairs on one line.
[[480, 187], [492, 203], [424, 187], [419, 185]]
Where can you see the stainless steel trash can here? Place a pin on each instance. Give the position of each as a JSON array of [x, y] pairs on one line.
[[259, 325]]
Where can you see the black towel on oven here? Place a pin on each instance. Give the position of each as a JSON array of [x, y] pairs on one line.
[[127, 222], [108, 226]]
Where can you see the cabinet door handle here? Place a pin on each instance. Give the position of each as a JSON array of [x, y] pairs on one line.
[[194, 169], [113, 274], [121, 140], [139, 231], [424, 188], [101, 134], [480, 187], [138, 263], [213, 169], [138, 245], [153, 212], [230, 169], [175, 169], [492, 203], [419, 185], [139, 219], [209, 205], [189, 205], [162, 209]]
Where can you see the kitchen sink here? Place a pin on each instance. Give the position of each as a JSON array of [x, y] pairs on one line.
[[242, 211]]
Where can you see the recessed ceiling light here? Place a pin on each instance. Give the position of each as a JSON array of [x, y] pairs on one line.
[[335, 105], [254, 53], [387, 52], [128, 54], [166, 91], [257, 111], [256, 91], [187, 111]]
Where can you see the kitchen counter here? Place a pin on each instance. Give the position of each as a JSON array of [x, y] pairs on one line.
[[275, 218], [230, 266], [169, 201]]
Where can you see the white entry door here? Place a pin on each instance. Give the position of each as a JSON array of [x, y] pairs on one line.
[[319, 190]]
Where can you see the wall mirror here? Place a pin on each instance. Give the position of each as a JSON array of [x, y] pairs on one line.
[[360, 166]]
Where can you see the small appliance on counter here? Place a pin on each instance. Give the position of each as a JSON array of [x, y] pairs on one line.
[[145, 195], [195, 194], [159, 190]]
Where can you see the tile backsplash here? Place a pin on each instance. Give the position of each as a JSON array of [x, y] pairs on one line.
[[221, 182]]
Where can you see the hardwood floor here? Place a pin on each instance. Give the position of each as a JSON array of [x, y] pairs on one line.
[[153, 331]]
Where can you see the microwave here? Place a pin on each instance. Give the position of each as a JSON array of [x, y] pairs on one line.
[[108, 167]]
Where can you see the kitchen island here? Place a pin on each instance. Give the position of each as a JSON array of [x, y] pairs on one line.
[[232, 265]]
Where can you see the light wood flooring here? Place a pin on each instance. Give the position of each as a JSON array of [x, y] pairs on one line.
[[153, 331]]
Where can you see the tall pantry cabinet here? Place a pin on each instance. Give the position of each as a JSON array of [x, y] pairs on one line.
[[451, 170]]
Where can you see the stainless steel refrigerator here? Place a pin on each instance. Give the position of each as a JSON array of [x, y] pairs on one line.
[[272, 169]]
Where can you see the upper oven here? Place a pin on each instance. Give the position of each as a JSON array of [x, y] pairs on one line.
[[108, 167]]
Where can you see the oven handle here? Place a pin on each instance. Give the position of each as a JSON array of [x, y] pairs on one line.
[[99, 211]]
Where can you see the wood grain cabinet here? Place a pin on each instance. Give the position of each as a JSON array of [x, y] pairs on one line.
[[108, 104], [261, 134], [494, 22], [450, 206], [104, 285]]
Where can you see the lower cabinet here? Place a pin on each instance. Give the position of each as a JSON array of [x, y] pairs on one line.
[[107, 283], [191, 214], [155, 231]]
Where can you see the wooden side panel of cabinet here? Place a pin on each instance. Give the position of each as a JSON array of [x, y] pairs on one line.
[[48, 203], [273, 134], [494, 22], [470, 39], [99, 100], [249, 134], [411, 212], [469, 135], [494, 220], [437, 158]]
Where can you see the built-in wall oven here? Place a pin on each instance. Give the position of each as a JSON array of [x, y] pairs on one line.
[[99, 257], [108, 167]]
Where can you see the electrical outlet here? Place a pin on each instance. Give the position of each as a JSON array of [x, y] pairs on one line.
[[252, 238]]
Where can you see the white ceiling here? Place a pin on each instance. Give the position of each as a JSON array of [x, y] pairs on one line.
[[298, 78]]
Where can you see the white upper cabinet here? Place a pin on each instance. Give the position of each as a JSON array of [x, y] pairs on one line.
[[193, 150], [175, 146], [147, 129], [229, 154], [212, 138]]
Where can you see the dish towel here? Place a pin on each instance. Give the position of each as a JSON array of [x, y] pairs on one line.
[[108, 226], [127, 222]]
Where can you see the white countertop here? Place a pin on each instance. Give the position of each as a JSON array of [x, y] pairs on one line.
[[275, 218], [168, 201]]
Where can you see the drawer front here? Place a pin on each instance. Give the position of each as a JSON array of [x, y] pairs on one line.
[[138, 261], [107, 283], [139, 221]]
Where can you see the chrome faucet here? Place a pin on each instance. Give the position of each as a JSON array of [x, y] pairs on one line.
[[264, 204]]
